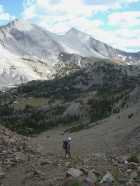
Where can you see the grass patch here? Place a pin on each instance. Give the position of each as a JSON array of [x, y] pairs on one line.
[[35, 102], [78, 128]]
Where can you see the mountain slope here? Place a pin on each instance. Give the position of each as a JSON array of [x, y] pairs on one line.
[[28, 52], [23, 38]]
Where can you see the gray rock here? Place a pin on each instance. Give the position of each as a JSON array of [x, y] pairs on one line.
[[29, 175], [92, 176], [37, 172], [129, 183], [69, 181], [1, 173], [100, 156], [88, 182], [75, 173], [14, 150], [108, 175], [134, 175], [20, 156], [109, 179], [72, 110]]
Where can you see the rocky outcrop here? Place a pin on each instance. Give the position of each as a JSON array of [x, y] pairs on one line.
[[131, 98], [72, 110]]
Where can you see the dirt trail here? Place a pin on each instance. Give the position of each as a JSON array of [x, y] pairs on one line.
[[98, 139]]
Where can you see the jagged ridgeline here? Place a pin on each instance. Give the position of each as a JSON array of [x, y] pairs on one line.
[[79, 99]]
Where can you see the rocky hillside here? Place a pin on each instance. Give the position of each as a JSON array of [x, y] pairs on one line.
[[24, 163], [101, 151], [87, 95], [23, 38]]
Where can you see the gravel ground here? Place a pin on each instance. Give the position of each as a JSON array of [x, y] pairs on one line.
[[102, 138]]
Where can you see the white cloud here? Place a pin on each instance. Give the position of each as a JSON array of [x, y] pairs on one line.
[[4, 16], [1, 9], [126, 33], [28, 3], [59, 16], [13, 17], [124, 19], [123, 39], [112, 3]]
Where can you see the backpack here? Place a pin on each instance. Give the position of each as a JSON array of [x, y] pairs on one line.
[[65, 143]]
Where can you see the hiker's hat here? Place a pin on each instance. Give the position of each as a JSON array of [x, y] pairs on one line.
[[69, 138]]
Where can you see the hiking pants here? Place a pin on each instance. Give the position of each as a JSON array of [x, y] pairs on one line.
[[67, 151]]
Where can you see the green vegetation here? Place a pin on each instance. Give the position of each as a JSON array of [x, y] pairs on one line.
[[78, 128], [133, 158], [31, 121], [42, 103], [116, 173], [77, 183]]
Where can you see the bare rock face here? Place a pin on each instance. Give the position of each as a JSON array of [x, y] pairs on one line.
[[133, 97], [72, 110], [27, 51]]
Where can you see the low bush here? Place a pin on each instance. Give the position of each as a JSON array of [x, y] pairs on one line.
[[133, 158]]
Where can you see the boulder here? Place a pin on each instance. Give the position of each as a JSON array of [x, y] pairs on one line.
[[37, 172], [72, 110], [92, 176], [87, 182], [46, 162], [84, 170], [75, 173], [107, 177], [69, 181], [134, 175], [132, 165], [100, 156], [19, 156]]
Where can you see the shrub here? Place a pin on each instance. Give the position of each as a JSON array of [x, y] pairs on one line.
[[133, 158], [77, 183]]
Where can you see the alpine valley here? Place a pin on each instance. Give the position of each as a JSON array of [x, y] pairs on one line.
[[57, 86]]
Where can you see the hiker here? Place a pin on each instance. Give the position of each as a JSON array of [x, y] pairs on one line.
[[66, 146]]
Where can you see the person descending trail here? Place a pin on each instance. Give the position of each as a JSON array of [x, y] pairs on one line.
[[66, 146]]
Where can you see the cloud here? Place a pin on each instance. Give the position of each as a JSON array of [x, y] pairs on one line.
[[59, 16], [13, 17], [4, 16], [122, 39], [28, 3], [1, 9], [124, 19], [112, 3], [126, 33]]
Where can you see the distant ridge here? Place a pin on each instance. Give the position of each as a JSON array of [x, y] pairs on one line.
[[26, 47]]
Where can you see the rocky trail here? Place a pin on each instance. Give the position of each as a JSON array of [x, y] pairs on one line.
[[23, 163], [99, 154]]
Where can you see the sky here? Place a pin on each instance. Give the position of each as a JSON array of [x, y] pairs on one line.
[[114, 22]]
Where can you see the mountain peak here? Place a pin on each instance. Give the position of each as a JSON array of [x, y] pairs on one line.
[[72, 30], [17, 22]]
